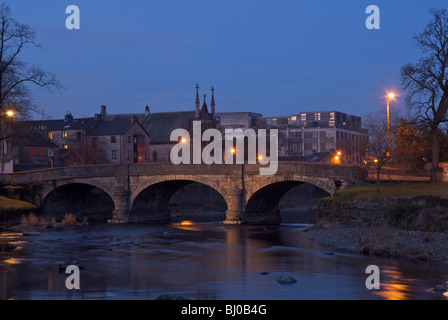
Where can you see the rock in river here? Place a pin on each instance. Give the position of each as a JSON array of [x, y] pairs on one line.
[[170, 297], [6, 247], [440, 288], [31, 233], [286, 280]]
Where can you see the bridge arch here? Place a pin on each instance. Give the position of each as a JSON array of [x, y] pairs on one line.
[[80, 198], [150, 202], [262, 202]]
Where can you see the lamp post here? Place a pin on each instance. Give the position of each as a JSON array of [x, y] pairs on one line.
[[9, 114], [389, 97]]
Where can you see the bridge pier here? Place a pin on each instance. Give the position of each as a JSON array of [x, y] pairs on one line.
[[122, 211], [236, 213]]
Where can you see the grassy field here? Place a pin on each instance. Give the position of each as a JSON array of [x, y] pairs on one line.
[[7, 204], [399, 190]]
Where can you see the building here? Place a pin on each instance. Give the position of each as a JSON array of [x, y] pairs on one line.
[[33, 151], [118, 139], [308, 133]]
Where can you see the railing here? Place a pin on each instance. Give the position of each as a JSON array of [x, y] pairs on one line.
[[91, 171]]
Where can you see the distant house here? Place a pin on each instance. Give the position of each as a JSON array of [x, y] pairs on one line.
[[123, 140], [119, 139], [33, 151]]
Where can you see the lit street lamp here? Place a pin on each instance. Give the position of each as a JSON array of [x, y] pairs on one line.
[[389, 97], [10, 114]]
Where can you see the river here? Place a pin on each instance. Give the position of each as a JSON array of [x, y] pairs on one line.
[[201, 261]]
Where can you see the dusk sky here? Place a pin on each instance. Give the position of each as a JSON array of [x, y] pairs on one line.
[[276, 57]]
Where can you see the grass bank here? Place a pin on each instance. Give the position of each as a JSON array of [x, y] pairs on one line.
[[8, 205], [12, 209], [399, 190]]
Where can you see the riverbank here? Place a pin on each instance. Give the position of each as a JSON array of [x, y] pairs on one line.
[[407, 221], [405, 244]]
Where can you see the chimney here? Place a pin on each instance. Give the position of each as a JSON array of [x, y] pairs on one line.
[[103, 111], [134, 119], [147, 110]]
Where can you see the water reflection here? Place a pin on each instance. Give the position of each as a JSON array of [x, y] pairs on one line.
[[201, 261]]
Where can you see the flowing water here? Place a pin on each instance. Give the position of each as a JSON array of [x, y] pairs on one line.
[[204, 261]]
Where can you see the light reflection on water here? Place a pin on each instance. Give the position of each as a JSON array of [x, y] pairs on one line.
[[202, 261]]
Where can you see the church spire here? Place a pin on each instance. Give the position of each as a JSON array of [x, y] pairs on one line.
[[212, 102], [197, 102]]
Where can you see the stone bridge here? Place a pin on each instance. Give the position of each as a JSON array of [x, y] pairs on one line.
[[142, 192]]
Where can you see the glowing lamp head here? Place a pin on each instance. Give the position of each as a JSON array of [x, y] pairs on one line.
[[336, 158], [10, 113], [233, 150], [183, 140], [391, 95], [376, 160], [260, 158], [339, 153]]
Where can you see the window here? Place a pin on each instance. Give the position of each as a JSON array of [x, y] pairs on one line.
[[127, 155], [317, 116], [50, 135], [114, 154], [42, 152], [33, 152], [129, 139], [64, 134], [66, 146], [94, 142], [303, 117], [294, 118], [78, 136], [113, 139], [329, 135]]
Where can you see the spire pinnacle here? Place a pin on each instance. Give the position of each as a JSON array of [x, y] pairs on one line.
[[212, 102], [197, 93]]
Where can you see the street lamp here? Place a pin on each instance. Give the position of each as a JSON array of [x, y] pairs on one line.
[[389, 97], [10, 114]]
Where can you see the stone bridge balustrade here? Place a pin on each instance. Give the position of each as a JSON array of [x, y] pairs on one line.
[[141, 192]]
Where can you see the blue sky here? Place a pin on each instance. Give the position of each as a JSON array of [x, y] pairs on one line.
[[276, 57]]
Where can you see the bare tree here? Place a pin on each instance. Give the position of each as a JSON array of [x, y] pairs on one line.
[[409, 149], [427, 81], [14, 73], [82, 152], [376, 124]]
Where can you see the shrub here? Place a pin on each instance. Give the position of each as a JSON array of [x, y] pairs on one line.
[[69, 219], [30, 220]]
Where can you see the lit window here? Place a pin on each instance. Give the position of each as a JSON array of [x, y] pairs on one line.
[[114, 154], [64, 134], [294, 118], [50, 135], [65, 146], [303, 117]]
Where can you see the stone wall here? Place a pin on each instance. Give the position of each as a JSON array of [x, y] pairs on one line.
[[421, 213]]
